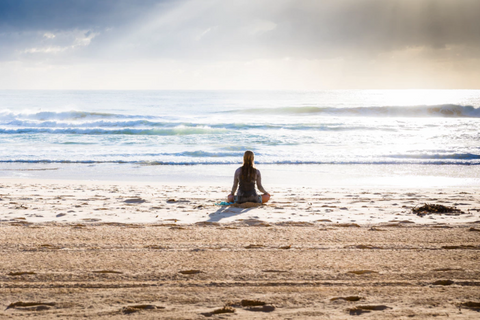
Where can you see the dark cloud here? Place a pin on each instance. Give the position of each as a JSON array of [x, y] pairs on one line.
[[234, 29], [379, 25], [311, 29]]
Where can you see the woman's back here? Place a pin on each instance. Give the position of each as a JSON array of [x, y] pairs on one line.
[[246, 177], [247, 183]]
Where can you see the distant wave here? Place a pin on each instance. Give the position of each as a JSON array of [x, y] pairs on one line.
[[453, 156], [180, 130], [445, 110], [232, 162], [104, 119], [148, 127], [66, 115]]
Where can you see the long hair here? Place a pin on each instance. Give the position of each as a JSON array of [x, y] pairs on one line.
[[248, 169]]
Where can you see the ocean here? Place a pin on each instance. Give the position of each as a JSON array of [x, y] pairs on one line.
[[154, 132]]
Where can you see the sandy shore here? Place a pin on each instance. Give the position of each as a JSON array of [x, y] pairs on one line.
[[103, 250], [37, 201]]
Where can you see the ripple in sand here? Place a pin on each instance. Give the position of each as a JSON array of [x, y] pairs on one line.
[[376, 229], [21, 273], [261, 309], [31, 306], [137, 308], [362, 272], [250, 303], [107, 272], [349, 298], [225, 309], [347, 225], [254, 246], [135, 200], [177, 228], [470, 305], [190, 272], [49, 246], [363, 246], [448, 269], [459, 247], [443, 283], [365, 309], [155, 247]]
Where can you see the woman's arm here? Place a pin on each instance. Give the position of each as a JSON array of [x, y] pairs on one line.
[[235, 181], [259, 182]]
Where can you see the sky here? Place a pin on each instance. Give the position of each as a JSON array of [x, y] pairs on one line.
[[239, 44]]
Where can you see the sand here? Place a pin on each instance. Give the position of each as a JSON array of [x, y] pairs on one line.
[[38, 201], [137, 251]]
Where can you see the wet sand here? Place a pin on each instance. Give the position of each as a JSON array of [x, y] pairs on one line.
[[298, 271]]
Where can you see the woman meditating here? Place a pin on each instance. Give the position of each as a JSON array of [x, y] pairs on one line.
[[246, 176]]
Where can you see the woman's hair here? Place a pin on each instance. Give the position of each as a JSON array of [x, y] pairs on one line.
[[248, 169]]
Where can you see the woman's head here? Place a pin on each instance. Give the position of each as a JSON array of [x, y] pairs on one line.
[[248, 169], [248, 157]]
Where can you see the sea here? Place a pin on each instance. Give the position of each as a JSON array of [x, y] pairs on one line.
[[335, 137]]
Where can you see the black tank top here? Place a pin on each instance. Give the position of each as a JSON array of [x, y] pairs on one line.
[[247, 188]]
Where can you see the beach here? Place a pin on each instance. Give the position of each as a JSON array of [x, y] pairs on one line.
[[127, 126], [108, 249], [112, 204]]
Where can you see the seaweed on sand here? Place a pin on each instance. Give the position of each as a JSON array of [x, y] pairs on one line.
[[429, 208]]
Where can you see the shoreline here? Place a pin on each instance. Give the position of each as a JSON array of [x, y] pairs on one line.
[[294, 175]]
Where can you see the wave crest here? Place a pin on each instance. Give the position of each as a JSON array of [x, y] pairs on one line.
[[72, 115], [444, 110], [179, 130]]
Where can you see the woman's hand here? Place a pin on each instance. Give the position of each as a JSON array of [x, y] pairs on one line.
[[265, 197]]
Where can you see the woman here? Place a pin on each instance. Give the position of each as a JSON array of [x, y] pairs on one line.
[[246, 176]]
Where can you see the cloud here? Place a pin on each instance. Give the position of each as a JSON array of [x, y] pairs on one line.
[[382, 41], [62, 41], [217, 29], [30, 26]]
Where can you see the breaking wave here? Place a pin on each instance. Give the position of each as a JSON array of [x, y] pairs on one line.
[[179, 130], [229, 162], [444, 110], [66, 115]]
